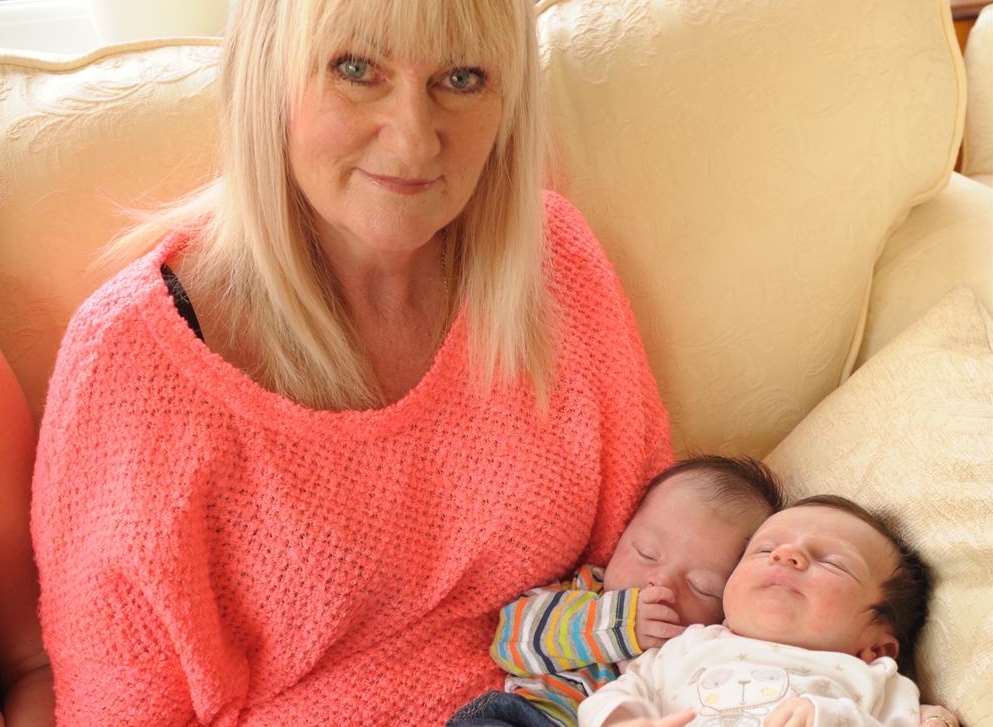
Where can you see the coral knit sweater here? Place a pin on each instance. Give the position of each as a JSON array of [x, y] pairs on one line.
[[213, 553]]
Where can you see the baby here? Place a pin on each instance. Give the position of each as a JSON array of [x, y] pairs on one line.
[[824, 601], [562, 642]]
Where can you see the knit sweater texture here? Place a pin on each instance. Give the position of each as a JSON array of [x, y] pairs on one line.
[[213, 553]]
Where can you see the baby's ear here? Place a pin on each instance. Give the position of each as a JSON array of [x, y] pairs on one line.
[[884, 644]]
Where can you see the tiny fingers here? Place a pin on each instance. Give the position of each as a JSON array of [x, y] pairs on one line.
[[677, 720], [777, 718], [657, 594], [658, 612], [662, 629], [937, 716]]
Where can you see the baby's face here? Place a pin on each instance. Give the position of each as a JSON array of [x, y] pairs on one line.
[[680, 540], [810, 577]]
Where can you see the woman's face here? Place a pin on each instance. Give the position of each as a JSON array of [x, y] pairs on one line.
[[388, 152]]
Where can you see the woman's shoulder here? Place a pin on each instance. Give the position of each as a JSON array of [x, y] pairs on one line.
[[579, 268], [110, 329], [118, 306], [567, 230]]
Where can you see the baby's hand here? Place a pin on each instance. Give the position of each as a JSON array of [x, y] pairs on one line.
[[936, 716], [793, 712], [655, 621]]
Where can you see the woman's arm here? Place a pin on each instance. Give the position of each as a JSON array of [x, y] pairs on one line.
[[25, 676]]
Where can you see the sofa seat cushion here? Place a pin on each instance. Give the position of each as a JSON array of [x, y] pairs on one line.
[[911, 433]]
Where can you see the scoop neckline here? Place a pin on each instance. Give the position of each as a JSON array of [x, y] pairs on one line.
[[233, 389]]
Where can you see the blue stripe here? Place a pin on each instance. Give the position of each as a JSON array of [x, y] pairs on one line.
[[503, 645], [549, 665], [618, 629], [577, 637]]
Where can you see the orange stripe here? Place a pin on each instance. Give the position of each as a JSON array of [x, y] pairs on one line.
[[589, 633], [515, 635], [565, 688]]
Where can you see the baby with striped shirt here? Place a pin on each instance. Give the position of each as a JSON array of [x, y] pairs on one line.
[[562, 642]]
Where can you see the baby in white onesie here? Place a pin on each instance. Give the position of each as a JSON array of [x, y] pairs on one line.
[[824, 601]]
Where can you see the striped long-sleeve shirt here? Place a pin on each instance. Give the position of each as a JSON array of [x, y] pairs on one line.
[[560, 643]]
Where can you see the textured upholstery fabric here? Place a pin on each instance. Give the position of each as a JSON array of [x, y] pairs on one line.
[[83, 144], [743, 163], [977, 150], [912, 432], [945, 242]]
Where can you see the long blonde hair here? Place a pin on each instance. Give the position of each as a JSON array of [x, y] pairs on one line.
[[255, 251]]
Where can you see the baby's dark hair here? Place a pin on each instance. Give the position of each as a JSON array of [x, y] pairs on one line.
[[904, 605], [740, 482]]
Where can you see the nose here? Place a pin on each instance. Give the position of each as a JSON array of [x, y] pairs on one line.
[[410, 129], [789, 556], [663, 575]]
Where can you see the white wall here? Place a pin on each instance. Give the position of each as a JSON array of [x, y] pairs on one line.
[[55, 26], [73, 27]]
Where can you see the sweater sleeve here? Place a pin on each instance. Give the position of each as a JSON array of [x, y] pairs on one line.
[[566, 627], [634, 427], [127, 611]]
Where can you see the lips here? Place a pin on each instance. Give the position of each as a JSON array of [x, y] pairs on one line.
[[402, 185], [781, 579]]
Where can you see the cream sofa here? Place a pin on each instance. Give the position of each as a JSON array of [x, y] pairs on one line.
[[772, 179], [977, 146]]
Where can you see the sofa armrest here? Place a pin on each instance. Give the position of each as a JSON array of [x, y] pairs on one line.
[[977, 144], [944, 243]]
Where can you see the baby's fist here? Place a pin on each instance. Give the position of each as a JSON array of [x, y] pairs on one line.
[[792, 712], [655, 620]]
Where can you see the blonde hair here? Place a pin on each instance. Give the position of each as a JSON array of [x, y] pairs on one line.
[[255, 251]]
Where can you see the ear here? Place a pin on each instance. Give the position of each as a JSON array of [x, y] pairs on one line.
[[882, 643]]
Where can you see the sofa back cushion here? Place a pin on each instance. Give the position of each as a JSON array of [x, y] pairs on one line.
[[977, 146], [83, 145], [743, 163]]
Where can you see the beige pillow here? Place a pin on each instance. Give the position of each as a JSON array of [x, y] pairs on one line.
[[912, 432]]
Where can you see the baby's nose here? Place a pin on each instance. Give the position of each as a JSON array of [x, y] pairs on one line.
[[787, 555]]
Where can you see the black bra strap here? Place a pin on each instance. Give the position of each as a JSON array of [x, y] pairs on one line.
[[181, 300]]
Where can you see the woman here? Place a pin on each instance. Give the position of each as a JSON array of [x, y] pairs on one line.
[[358, 393], [391, 407]]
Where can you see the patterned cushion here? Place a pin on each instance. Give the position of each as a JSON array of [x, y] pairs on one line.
[[911, 432]]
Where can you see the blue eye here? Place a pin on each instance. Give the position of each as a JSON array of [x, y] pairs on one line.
[[466, 80], [353, 69]]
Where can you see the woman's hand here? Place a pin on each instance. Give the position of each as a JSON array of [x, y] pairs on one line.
[[30, 701], [933, 715]]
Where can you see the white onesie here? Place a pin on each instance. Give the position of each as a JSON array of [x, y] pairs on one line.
[[732, 681]]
